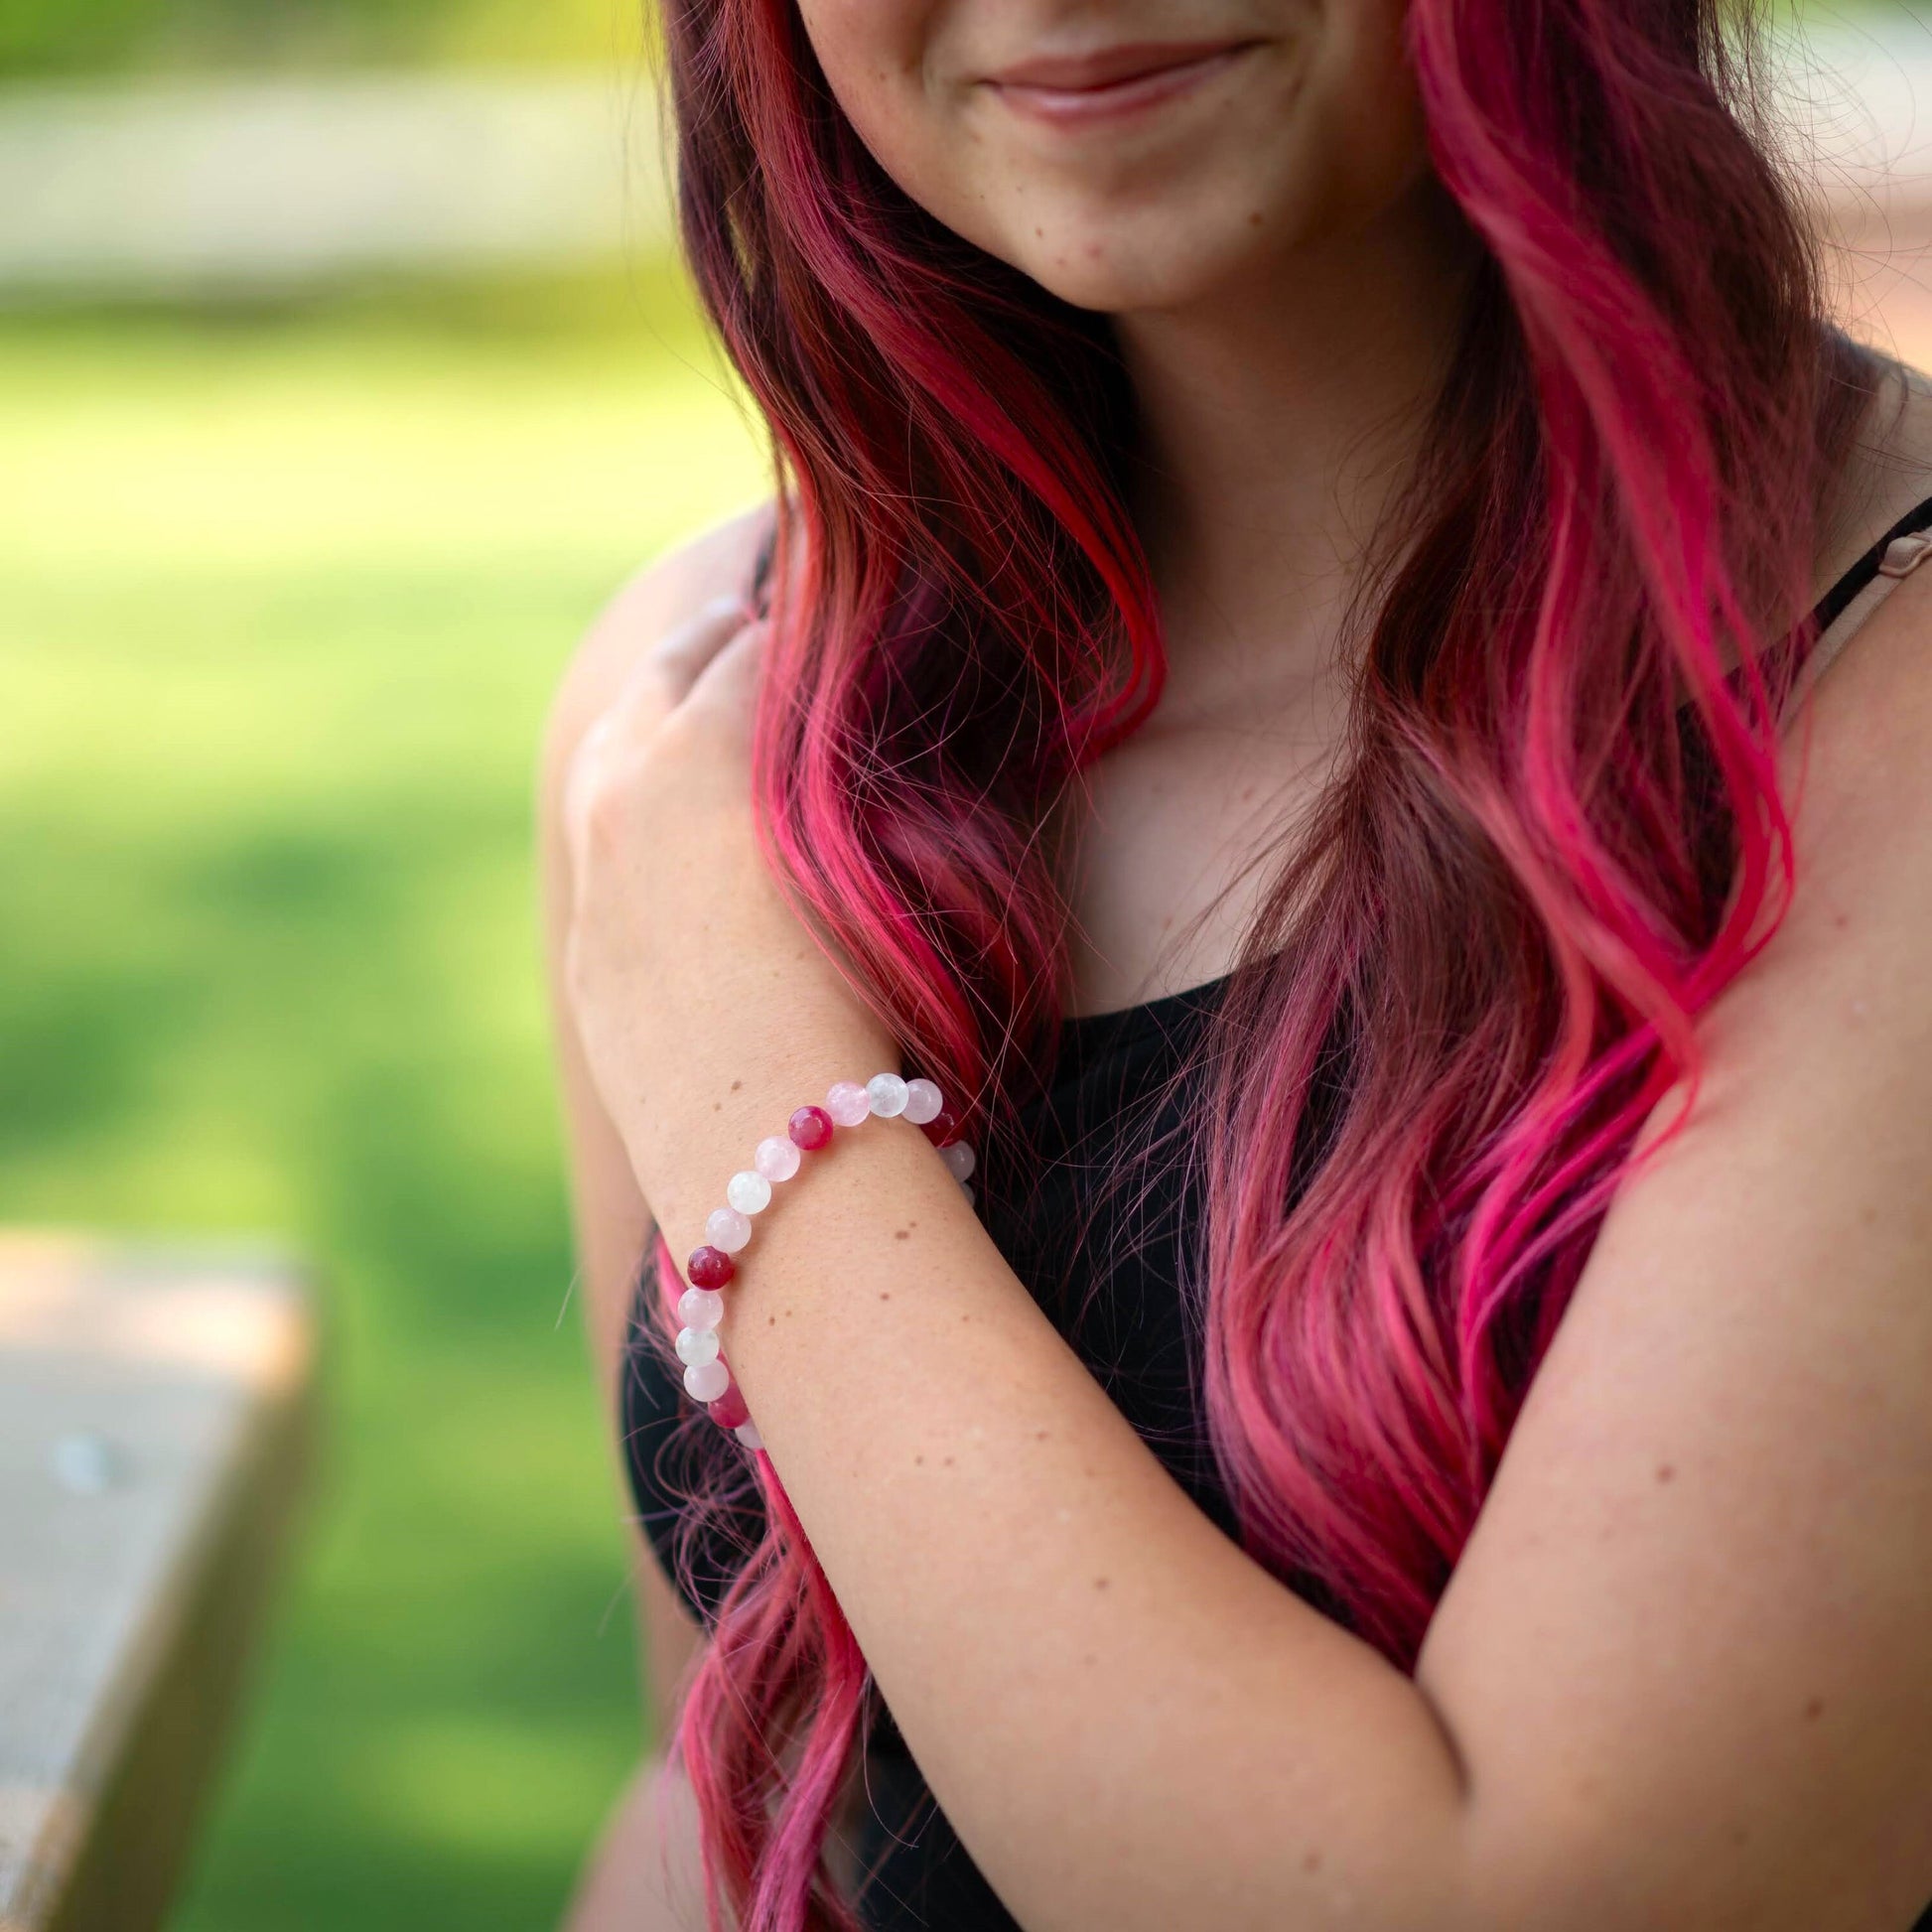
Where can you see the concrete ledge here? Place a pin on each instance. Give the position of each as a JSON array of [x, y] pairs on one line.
[[155, 1410]]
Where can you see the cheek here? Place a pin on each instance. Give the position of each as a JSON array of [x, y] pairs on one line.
[[1373, 112], [875, 54]]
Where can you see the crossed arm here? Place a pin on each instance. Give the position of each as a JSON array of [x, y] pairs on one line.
[[1683, 1674]]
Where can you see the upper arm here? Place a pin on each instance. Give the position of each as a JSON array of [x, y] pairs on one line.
[[1688, 1651], [612, 1221]]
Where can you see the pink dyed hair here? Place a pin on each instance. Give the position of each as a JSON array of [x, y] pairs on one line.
[[1492, 939]]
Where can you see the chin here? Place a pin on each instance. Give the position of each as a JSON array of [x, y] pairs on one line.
[[1135, 269]]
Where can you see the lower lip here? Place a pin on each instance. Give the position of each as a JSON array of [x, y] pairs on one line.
[[1119, 100]]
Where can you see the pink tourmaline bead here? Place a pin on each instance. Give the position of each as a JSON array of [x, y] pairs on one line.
[[942, 1129], [848, 1103], [709, 1267], [729, 1410], [811, 1128]]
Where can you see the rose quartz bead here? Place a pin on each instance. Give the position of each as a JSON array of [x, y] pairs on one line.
[[726, 1228], [811, 1128], [960, 1159], [923, 1102], [942, 1129], [848, 1103], [967, 1191], [710, 1268], [776, 1157], [749, 1192], [695, 1345], [706, 1381], [700, 1308], [747, 1433], [887, 1092], [730, 1410]]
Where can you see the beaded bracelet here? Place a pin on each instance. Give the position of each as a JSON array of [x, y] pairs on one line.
[[749, 1192]]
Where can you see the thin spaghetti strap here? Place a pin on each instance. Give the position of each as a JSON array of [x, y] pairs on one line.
[[1845, 608]]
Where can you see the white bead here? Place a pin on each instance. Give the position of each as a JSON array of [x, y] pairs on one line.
[[726, 1228], [959, 1159], [701, 1308], [706, 1381], [749, 1192], [887, 1092], [776, 1156], [923, 1102], [848, 1103], [695, 1345], [747, 1433]]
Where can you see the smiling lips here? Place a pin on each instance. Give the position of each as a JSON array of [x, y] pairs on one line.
[[1079, 90]]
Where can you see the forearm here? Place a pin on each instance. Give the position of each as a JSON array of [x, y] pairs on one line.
[[1123, 1715]]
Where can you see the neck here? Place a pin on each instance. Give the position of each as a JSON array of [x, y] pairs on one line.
[[1279, 419]]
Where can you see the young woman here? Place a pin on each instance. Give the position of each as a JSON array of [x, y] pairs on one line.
[[1301, 670]]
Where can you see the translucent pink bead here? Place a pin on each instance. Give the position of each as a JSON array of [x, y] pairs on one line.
[[749, 1192], [811, 1128], [887, 1092], [747, 1433], [848, 1103], [730, 1410], [923, 1102], [959, 1159], [700, 1308], [726, 1228], [776, 1156], [695, 1345], [706, 1381]]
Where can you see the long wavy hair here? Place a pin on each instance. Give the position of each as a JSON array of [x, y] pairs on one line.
[[1557, 833]]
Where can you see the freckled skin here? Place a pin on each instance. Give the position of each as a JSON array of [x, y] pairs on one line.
[[1312, 129]]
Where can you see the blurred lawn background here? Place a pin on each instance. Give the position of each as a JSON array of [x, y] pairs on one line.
[[283, 596], [285, 587], [282, 599]]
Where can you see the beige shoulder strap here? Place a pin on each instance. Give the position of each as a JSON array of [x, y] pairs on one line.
[[1903, 555]]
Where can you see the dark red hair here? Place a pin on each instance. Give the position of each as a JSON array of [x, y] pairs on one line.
[[1558, 833]]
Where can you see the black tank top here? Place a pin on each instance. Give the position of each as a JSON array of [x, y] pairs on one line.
[[1108, 1265]]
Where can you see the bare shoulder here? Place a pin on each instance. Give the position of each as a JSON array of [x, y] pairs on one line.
[[658, 598], [1867, 749], [1860, 770], [1887, 472]]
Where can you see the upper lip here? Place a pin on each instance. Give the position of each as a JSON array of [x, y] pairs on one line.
[[1107, 66]]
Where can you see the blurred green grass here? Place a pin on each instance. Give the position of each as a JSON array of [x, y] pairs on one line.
[[283, 597]]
